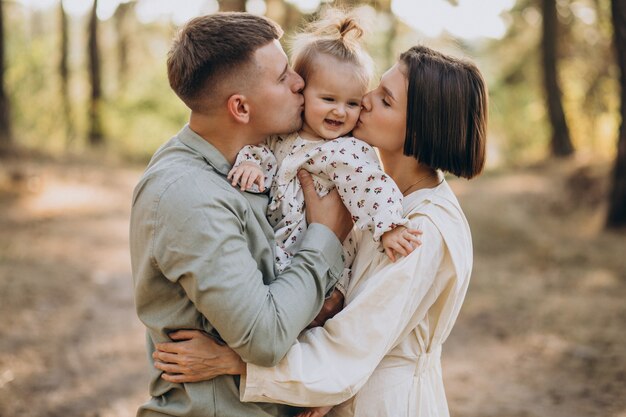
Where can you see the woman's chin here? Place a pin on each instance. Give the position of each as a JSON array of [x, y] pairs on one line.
[[357, 131]]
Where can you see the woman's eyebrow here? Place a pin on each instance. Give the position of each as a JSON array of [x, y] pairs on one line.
[[388, 92]]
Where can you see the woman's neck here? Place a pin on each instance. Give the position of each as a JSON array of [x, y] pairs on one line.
[[408, 174]]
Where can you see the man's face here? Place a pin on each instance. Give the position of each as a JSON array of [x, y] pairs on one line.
[[276, 99]]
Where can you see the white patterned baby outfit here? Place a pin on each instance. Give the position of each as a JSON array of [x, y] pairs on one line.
[[346, 163]]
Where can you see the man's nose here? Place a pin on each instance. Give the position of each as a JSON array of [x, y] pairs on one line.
[[298, 83]]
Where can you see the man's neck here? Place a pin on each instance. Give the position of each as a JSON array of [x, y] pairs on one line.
[[227, 138]]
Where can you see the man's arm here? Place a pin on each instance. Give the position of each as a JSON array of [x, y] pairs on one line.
[[200, 242]]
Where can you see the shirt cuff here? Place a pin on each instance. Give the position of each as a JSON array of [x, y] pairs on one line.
[[320, 238], [251, 387]]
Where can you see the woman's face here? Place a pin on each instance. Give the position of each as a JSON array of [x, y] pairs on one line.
[[382, 122]]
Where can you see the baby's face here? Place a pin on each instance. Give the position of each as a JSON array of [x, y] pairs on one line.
[[332, 100]]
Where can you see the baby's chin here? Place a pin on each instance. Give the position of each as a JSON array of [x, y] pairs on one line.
[[340, 135]]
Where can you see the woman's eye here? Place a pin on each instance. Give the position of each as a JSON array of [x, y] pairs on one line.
[[385, 103]]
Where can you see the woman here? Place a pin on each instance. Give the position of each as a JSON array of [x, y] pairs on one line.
[[380, 355]]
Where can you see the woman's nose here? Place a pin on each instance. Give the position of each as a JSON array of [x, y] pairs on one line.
[[366, 102]]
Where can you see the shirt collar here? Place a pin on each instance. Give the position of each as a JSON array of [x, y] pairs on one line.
[[209, 152]]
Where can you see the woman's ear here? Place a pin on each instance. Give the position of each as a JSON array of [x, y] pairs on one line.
[[239, 108]]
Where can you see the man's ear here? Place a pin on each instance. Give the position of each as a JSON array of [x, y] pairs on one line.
[[239, 108]]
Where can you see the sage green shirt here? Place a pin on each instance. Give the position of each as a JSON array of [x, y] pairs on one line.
[[203, 258]]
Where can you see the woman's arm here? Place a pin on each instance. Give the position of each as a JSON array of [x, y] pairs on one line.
[[328, 365]]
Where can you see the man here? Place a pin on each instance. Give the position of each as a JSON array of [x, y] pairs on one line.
[[201, 250]]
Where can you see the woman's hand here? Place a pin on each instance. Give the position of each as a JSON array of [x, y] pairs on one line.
[[194, 356]]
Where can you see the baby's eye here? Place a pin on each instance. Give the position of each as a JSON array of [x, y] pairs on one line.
[[354, 104], [328, 99]]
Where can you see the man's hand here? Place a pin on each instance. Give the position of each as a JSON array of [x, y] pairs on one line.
[[328, 210], [332, 305], [315, 411], [194, 356]]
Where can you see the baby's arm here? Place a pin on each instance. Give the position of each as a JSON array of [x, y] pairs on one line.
[[371, 196], [401, 241], [255, 165]]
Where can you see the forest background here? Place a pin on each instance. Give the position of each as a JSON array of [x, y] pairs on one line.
[[84, 102]]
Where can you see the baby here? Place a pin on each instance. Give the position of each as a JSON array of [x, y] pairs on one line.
[[337, 72]]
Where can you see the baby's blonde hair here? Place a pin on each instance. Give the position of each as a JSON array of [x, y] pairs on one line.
[[338, 34]]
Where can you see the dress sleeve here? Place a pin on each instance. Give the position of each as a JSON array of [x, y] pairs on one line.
[[328, 365], [370, 195], [262, 156]]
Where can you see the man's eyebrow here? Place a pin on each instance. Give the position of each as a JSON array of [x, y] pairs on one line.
[[284, 71], [388, 92]]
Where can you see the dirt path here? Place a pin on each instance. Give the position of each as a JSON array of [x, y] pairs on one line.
[[542, 332]]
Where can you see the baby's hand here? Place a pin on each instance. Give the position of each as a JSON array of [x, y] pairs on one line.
[[315, 412], [246, 174], [401, 241]]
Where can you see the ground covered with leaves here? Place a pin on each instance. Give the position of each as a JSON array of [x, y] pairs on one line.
[[542, 332]]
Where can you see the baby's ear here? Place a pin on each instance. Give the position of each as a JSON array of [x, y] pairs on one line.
[[239, 108]]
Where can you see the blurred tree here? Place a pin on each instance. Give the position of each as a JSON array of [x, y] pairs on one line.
[[391, 33], [561, 144], [5, 119], [64, 74], [232, 5], [95, 134], [617, 204], [120, 18]]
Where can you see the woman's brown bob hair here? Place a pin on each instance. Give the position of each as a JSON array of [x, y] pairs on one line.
[[447, 110]]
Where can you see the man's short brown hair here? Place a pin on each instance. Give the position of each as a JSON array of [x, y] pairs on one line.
[[211, 47]]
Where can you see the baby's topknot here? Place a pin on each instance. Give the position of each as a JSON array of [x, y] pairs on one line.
[[336, 33]]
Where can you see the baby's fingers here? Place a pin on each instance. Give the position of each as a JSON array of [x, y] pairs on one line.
[[399, 247], [253, 178], [244, 179], [260, 181], [390, 254], [236, 174], [405, 243]]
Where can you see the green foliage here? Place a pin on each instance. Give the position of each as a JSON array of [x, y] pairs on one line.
[[142, 113], [519, 124]]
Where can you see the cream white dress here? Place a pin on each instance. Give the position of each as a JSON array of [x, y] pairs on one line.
[[380, 356]]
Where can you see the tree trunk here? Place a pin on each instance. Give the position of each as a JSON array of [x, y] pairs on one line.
[[64, 74], [95, 135], [5, 119], [232, 5], [561, 144], [123, 39], [617, 199]]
